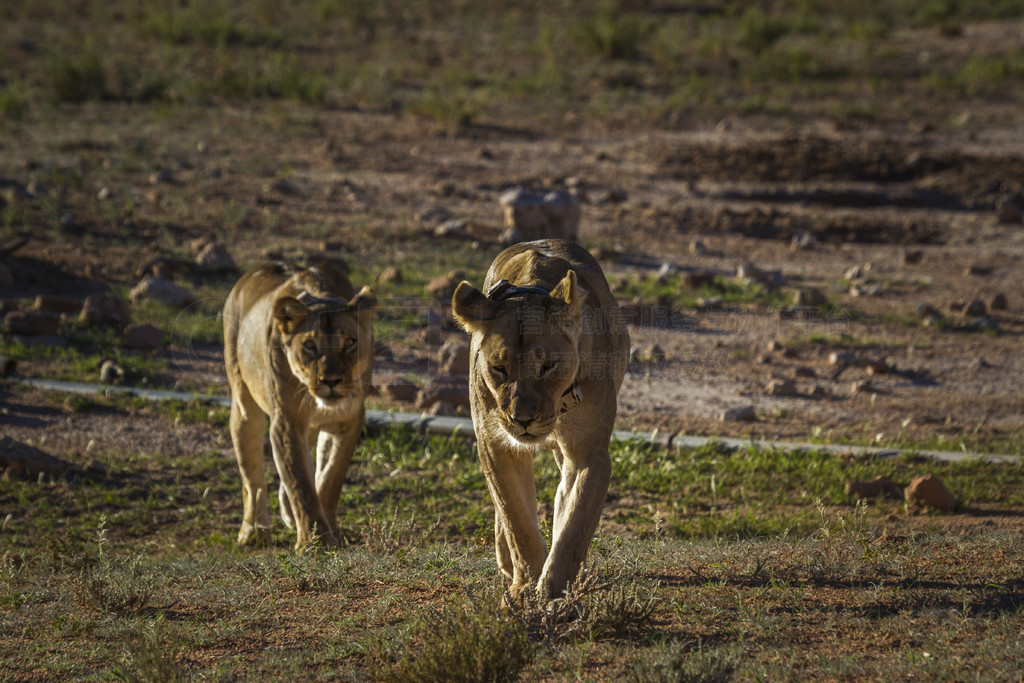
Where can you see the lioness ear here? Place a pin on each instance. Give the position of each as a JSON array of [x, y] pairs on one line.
[[289, 313], [570, 293], [471, 307], [364, 302]]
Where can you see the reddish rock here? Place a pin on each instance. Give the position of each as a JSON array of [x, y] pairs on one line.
[[143, 337], [31, 324], [879, 486], [781, 387], [105, 309], [928, 491], [454, 357], [55, 305], [451, 390], [400, 390]]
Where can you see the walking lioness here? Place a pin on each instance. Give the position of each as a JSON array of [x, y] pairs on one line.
[[548, 353], [298, 348]]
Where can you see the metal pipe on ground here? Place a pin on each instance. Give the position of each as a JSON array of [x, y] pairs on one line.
[[463, 426]]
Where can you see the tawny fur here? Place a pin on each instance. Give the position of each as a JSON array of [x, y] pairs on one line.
[[298, 347], [526, 352]]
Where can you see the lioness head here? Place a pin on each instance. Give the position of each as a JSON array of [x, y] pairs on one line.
[[328, 342], [526, 353]]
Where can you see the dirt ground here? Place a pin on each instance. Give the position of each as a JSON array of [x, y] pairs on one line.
[[915, 208]]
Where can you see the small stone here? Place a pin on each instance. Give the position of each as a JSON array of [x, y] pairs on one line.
[[453, 357], [161, 178], [817, 392], [283, 187], [442, 287], [401, 390], [104, 193], [879, 486], [390, 276], [95, 466], [55, 305], [751, 273], [803, 240], [655, 354], [781, 387], [531, 215], [861, 387], [105, 309], [926, 310], [911, 257], [433, 215], [143, 337], [451, 390], [985, 323], [31, 324], [159, 289], [331, 245], [854, 273], [664, 272], [998, 302], [809, 298], [842, 358], [111, 372], [739, 414], [698, 247], [215, 258], [1010, 209], [974, 308], [928, 491], [458, 228], [697, 279]]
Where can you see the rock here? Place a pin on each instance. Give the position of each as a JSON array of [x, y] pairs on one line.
[[817, 392], [879, 486], [751, 273], [710, 303], [974, 308], [1010, 209], [161, 178], [925, 311], [854, 273], [911, 257], [978, 269], [142, 337], [809, 298], [443, 286], [698, 278], [928, 491], [458, 228], [451, 390], [781, 387], [215, 258], [105, 309], [842, 358], [20, 458], [985, 323], [400, 389], [55, 305], [453, 357], [331, 245], [442, 408], [283, 187], [998, 302], [160, 290], [433, 215], [390, 276], [8, 366], [111, 372], [31, 324], [804, 240], [861, 387], [656, 354], [805, 372], [739, 414], [664, 272], [531, 215], [698, 247]]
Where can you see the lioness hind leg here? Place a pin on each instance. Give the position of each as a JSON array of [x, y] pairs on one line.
[[247, 424]]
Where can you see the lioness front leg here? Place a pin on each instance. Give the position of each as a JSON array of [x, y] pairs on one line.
[[295, 467], [333, 455], [246, 426], [509, 475], [578, 503]]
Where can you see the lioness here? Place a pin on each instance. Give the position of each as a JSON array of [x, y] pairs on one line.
[[298, 348], [548, 352]]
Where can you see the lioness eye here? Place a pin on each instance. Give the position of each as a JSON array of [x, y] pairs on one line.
[[348, 344], [498, 370], [548, 366], [310, 347]]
